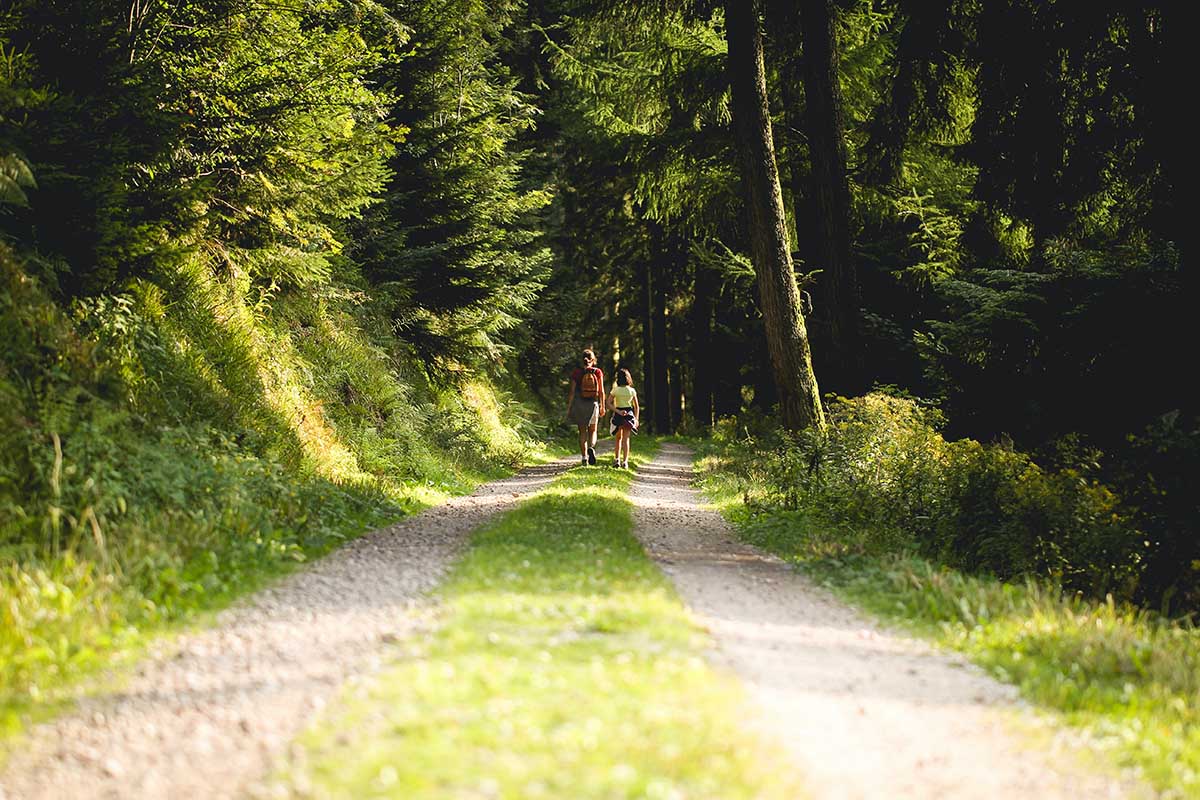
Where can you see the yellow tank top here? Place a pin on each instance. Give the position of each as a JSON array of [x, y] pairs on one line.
[[623, 396]]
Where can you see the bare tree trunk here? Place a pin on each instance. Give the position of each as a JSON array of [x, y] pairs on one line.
[[677, 377], [787, 338], [727, 370], [838, 282], [700, 401], [647, 393], [661, 391]]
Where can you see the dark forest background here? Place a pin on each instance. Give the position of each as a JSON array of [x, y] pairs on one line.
[[344, 245]]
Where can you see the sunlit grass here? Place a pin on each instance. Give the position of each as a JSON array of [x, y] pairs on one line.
[[235, 446], [565, 666], [1127, 678], [66, 619]]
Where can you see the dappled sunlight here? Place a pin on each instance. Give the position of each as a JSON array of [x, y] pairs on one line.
[[916, 280]]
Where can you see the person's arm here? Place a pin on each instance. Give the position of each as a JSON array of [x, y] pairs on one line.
[[637, 409], [603, 393]]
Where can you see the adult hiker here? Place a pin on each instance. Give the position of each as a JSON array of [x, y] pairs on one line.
[[624, 424], [584, 402]]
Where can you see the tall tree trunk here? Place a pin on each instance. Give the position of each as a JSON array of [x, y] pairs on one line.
[[889, 130], [677, 369], [839, 301], [676, 377], [787, 338], [700, 402], [727, 360], [661, 392], [647, 393]]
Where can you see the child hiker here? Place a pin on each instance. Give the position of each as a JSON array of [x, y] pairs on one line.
[[624, 422]]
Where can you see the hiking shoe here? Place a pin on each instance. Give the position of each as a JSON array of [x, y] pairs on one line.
[[583, 461], [591, 459]]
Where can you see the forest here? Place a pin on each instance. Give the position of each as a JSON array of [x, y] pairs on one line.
[[272, 274]]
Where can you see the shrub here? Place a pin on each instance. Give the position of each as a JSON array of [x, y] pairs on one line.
[[1157, 476], [881, 477]]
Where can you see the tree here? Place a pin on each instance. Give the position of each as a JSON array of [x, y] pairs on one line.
[[455, 246], [779, 297], [810, 26], [232, 139], [704, 365]]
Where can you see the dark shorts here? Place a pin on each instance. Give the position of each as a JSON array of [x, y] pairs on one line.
[[623, 418]]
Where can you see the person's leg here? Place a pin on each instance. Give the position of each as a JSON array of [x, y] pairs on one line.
[[590, 450], [617, 444], [583, 440], [628, 439]]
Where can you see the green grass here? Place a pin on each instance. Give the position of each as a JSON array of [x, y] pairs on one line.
[[1129, 679], [65, 620], [159, 459], [89, 611], [564, 666]]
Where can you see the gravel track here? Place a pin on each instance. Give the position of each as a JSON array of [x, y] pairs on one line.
[[864, 712], [207, 714]]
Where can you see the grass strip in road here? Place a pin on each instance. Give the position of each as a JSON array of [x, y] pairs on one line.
[[1127, 678], [566, 666]]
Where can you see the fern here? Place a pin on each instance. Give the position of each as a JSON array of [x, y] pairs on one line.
[[15, 177]]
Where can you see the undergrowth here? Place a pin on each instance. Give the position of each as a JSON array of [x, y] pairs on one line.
[[1128, 677], [160, 458], [564, 666]]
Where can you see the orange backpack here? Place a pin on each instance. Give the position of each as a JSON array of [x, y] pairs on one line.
[[589, 384]]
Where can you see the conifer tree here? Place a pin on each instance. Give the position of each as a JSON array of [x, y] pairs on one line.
[[235, 137], [455, 244], [787, 336]]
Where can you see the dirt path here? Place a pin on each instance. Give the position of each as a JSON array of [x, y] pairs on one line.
[[865, 713], [206, 715]]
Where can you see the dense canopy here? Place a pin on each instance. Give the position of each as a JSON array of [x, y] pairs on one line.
[[327, 239]]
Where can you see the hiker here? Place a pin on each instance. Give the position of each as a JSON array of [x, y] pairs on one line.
[[624, 423], [584, 403]]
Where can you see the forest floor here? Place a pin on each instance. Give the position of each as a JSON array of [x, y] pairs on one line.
[[859, 711]]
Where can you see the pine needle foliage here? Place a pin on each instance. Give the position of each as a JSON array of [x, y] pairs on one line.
[[455, 244]]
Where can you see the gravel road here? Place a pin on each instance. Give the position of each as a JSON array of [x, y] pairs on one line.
[[207, 714], [864, 712]]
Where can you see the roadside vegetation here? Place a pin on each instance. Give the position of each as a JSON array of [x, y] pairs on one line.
[[271, 274], [249, 306], [156, 462], [1028, 572], [563, 665]]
